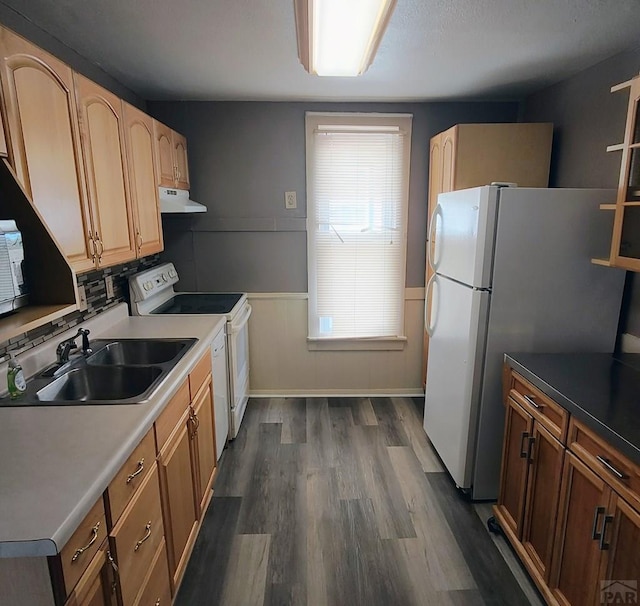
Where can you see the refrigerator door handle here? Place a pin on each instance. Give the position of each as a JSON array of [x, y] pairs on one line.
[[427, 319], [437, 211]]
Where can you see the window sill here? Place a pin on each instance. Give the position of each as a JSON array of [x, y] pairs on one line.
[[373, 344]]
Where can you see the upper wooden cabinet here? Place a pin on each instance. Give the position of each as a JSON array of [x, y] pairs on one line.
[[101, 129], [471, 155], [44, 143], [143, 180], [171, 157]]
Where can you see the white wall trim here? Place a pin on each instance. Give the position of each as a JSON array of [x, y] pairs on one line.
[[337, 393], [629, 343], [278, 295], [413, 293]]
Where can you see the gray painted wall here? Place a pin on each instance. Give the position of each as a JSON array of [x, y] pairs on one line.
[[243, 156], [16, 22], [587, 118]]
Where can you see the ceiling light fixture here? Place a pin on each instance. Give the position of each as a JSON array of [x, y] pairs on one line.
[[340, 37]]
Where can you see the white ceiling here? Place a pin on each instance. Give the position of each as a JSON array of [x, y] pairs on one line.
[[246, 49]]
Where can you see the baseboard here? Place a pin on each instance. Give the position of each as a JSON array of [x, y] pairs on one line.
[[629, 343], [337, 393]]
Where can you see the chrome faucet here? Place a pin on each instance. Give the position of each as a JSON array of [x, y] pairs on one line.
[[68, 345]]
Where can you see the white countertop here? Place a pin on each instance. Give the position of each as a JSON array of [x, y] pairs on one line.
[[56, 461]]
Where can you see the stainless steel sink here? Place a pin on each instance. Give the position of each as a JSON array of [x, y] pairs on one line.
[[100, 384], [138, 352], [121, 371]]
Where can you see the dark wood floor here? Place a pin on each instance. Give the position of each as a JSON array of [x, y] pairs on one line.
[[332, 501]]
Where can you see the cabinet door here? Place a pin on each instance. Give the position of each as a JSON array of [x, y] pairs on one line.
[[101, 127], [543, 489], [515, 451], [178, 499], [205, 443], [42, 123], [180, 158], [584, 498], [448, 160], [620, 548], [95, 587], [3, 141], [164, 155], [138, 128]]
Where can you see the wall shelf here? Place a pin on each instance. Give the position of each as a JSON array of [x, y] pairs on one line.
[[33, 316]]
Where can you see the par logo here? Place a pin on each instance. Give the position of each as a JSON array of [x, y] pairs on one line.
[[618, 592]]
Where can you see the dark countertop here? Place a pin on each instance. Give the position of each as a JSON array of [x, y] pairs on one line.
[[601, 390]]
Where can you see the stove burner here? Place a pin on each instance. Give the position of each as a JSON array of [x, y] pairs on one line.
[[199, 303]]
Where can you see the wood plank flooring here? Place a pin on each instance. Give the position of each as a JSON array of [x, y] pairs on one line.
[[341, 501]]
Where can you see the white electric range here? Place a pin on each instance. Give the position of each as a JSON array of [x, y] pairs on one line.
[[152, 293]]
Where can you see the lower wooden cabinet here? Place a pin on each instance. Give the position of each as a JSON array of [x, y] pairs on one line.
[[96, 587], [570, 511], [178, 497], [577, 555], [187, 460], [156, 588]]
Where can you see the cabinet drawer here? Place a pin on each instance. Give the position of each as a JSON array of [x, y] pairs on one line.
[[554, 418], [170, 416], [618, 471], [131, 476], [156, 590], [199, 374], [95, 585], [137, 537], [83, 545]]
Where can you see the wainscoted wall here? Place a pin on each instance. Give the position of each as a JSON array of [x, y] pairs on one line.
[[97, 302], [587, 118], [282, 365]]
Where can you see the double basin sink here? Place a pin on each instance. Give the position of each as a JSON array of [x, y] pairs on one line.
[[122, 371]]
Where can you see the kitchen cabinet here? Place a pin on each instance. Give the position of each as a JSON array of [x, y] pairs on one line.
[[3, 141], [531, 468], [185, 438], [470, 155], [171, 157], [102, 136], [96, 587], [139, 140], [576, 522], [44, 143], [625, 241]]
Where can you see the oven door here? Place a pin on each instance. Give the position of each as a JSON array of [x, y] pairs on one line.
[[238, 357]]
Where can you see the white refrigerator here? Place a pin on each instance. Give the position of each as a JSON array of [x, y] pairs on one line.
[[513, 273]]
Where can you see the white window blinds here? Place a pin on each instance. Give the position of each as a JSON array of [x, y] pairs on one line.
[[358, 171]]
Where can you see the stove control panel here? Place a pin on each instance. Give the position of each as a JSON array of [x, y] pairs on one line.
[[153, 281]]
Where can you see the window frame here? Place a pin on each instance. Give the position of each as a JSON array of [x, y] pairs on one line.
[[314, 120]]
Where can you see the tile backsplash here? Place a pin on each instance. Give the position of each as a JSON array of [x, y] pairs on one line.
[[97, 302]]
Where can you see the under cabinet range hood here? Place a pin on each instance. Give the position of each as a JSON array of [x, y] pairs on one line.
[[177, 201]]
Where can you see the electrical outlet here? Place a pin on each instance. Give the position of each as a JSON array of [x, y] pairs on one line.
[[82, 299], [290, 200], [108, 282]]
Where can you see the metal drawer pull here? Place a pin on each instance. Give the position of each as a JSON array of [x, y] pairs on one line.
[[137, 472], [145, 537], [158, 602], [523, 452], [116, 572], [532, 441], [595, 535], [81, 550], [611, 468], [531, 400], [603, 544]]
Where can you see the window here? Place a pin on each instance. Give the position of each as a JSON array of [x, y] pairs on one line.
[[357, 199]]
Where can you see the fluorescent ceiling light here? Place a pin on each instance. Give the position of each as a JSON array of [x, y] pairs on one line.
[[340, 37]]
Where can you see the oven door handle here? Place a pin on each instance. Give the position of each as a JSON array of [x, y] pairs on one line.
[[237, 327]]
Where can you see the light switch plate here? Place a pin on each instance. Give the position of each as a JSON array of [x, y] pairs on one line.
[[108, 282], [82, 298], [290, 201]]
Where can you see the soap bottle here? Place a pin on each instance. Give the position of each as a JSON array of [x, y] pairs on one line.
[[15, 379]]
